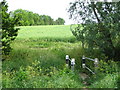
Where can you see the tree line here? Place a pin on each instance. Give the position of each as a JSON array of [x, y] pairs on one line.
[[28, 18], [100, 22], [19, 17]]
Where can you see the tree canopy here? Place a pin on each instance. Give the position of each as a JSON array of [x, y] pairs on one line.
[[28, 18], [9, 33], [101, 26], [60, 21]]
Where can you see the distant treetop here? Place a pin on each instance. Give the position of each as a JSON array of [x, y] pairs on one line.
[[28, 18]]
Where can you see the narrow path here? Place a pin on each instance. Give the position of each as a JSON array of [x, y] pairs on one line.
[[84, 78]]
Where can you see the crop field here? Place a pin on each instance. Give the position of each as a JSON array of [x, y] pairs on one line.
[[48, 33], [38, 61]]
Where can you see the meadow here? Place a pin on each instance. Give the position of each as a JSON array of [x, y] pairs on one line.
[[46, 33], [38, 61]]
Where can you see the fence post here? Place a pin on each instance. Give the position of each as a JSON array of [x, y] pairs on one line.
[[72, 64], [83, 61], [96, 62], [67, 60]]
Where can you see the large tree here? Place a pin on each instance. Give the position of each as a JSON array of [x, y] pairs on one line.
[[9, 32], [101, 26], [60, 21]]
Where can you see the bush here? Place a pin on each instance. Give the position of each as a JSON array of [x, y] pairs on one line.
[[108, 67]]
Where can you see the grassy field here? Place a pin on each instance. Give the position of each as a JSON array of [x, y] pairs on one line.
[[38, 61], [48, 33]]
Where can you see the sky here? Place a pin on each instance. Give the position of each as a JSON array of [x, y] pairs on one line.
[[53, 8]]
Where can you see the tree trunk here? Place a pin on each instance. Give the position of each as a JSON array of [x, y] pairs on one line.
[[109, 48]]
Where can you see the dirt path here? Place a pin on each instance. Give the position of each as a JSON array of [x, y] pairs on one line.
[[84, 78]]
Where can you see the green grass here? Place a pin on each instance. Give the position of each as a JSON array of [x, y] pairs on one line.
[[38, 61], [48, 33], [46, 44], [107, 81]]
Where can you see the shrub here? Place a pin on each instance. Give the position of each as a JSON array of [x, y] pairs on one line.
[[108, 67]]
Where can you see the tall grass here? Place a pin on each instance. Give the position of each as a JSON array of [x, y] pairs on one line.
[[105, 81], [38, 61]]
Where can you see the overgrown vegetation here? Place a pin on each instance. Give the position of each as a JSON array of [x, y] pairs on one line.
[[38, 56], [37, 63], [100, 22]]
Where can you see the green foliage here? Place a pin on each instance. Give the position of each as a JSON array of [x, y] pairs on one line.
[[28, 18], [60, 21], [105, 81], [118, 81], [33, 76], [9, 33], [38, 63], [38, 78], [109, 67], [100, 26]]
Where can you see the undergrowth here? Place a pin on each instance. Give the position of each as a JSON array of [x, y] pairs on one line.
[[35, 77], [39, 62]]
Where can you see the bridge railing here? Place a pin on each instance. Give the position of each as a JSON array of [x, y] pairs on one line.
[[96, 62], [71, 63]]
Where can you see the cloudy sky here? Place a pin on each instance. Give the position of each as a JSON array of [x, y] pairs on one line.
[[53, 8]]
